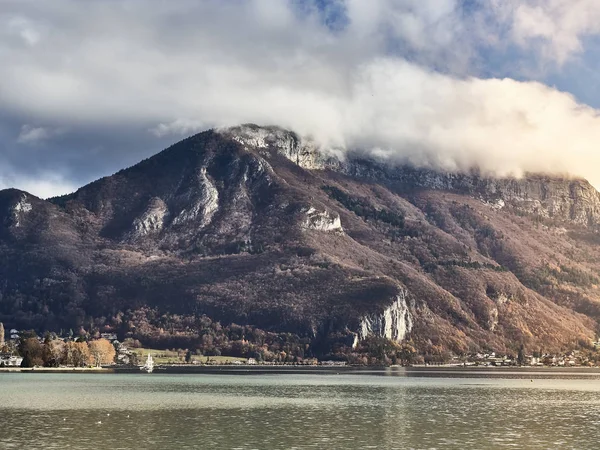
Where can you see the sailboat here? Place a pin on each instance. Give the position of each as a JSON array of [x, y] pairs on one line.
[[149, 366]]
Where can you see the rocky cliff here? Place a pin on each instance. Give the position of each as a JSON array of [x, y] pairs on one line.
[[561, 198], [256, 226]]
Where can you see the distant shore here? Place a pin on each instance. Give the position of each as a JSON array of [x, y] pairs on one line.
[[56, 369], [229, 369]]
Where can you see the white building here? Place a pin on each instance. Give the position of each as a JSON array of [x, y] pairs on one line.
[[8, 360]]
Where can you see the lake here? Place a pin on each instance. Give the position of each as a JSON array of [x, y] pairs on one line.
[[387, 409]]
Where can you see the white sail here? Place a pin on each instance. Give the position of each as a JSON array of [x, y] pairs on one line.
[[149, 366]]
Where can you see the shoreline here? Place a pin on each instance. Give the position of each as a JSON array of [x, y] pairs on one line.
[[332, 370], [55, 370]]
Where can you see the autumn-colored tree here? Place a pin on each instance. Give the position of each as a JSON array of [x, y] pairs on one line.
[[76, 354], [102, 352]]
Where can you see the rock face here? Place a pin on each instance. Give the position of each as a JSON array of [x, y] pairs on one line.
[[254, 225], [304, 153], [572, 200], [21, 208], [394, 323], [322, 221], [202, 202], [152, 219]]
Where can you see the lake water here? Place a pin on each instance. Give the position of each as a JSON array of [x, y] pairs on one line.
[[392, 409]]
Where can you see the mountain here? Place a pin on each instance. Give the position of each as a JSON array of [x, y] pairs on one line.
[[257, 227]]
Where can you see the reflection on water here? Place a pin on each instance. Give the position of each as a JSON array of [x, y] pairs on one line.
[[440, 410]]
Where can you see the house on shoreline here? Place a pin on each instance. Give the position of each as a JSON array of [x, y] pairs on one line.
[[9, 360]]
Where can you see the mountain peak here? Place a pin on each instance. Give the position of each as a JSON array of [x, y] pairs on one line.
[[301, 150]]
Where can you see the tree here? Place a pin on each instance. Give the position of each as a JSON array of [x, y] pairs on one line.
[[133, 359], [102, 352], [32, 352], [521, 355], [1, 335], [52, 352], [76, 354]]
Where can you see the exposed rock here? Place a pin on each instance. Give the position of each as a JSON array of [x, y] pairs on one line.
[[572, 200], [21, 207], [502, 298], [204, 206], [493, 318], [152, 219], [394, 323], [302, 152], [322, 221]]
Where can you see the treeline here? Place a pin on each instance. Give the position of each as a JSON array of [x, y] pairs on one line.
[[204, 336], [54, 352], [375, 351]]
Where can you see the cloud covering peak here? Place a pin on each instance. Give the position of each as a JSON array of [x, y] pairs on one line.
[[88, 89]]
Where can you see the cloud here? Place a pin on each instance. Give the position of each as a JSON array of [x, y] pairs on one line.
[[46, 187], [432, 31], [500, 126], [23, 28], [178, 127], [556, 28], [401, 78], [32, 135], [43, 185]]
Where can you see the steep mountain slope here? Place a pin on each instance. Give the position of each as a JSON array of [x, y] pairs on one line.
[[254, 226]]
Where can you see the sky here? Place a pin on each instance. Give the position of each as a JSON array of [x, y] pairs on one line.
[[504, 86]]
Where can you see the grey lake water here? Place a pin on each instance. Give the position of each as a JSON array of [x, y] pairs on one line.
[[393, 409]]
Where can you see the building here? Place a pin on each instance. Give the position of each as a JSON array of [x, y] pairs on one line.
[[9, 360], [109, 336]]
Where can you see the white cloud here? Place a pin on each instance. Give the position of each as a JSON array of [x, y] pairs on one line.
[[173, 69], [555, 27], [31, 135], [501, 126], [178, 127], [43, 185], [24, 28]]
